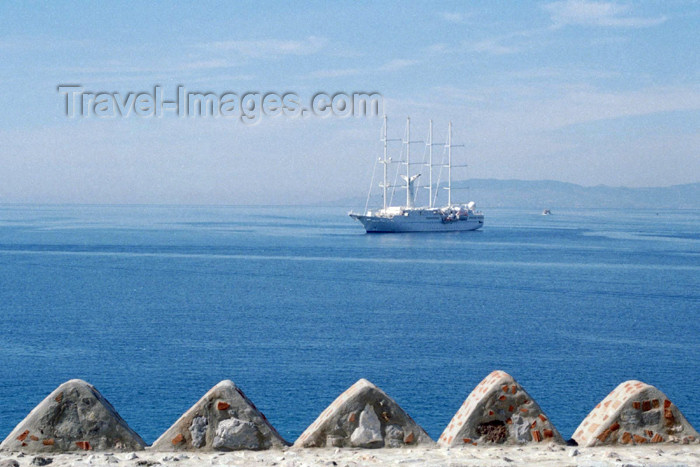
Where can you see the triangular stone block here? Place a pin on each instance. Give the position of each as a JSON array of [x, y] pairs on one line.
[[224, 419], [363, 416], [499, 410], [74, 417], [634, 413]]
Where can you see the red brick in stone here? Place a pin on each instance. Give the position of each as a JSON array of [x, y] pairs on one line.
[[537, 436], [223, 405], [178, 439], [23, 436], [84, 445]]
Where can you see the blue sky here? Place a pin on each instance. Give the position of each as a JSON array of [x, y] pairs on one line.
[[590, 92]]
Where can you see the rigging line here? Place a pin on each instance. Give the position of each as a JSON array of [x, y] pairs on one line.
[[424, 164], [371, 184], [437, 185], [415, 196], [398, 169]]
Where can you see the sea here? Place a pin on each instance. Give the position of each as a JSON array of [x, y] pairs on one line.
[[154, 305]]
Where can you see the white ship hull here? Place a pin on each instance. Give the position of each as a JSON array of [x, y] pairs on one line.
[[419, 220]]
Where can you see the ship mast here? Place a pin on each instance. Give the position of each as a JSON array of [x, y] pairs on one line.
[[385, 162], [430, 164], [408, 162], [449, 165]]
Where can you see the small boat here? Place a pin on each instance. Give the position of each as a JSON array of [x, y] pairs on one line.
[[547, 212]]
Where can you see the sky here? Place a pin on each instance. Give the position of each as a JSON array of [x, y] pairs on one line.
[[588, 92]]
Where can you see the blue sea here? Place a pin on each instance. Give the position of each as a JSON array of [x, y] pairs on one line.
[[156, 304]]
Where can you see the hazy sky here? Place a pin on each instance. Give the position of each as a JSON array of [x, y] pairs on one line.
[[590, 92]]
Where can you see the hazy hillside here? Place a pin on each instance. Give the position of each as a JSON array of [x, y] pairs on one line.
[[550, 194], [541, 194]]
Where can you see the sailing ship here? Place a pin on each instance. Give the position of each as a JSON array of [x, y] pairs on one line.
[[427, 218]]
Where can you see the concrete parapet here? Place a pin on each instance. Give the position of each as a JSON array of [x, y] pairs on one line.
[[634, 413], [363, 416], [74, 417], [499, 411], [224, 419]]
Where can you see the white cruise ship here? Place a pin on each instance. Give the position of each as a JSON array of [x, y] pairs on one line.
[[410, 218]]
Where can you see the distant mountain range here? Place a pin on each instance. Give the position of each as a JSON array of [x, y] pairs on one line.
[[550, 194]]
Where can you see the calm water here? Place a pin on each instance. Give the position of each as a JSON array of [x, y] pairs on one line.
[[154, 305]]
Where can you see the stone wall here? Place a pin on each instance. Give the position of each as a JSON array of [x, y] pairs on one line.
[[76, 417], [634, 413], [499, 411]]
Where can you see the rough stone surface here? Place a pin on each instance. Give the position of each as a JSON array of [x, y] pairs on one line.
[[9, 463], [234, 434], [224, 419], [74, 417], [394, 436], [368, 433], [198, 431], [499, 411], [42, 461], [363, 416], [635, 413]]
